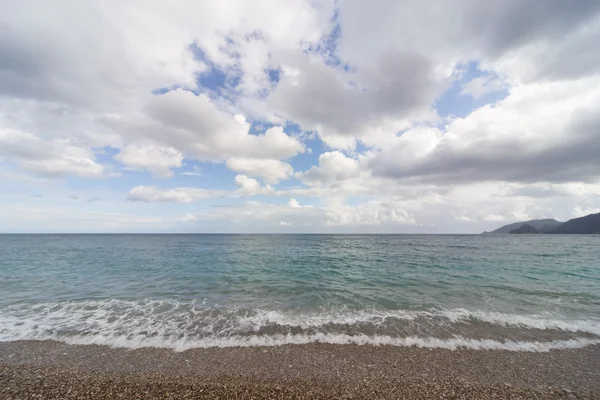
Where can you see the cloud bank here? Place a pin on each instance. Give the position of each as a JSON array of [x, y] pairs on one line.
[[304, 116]]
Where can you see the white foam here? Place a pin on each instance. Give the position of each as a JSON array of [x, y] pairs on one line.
[[183, 325], [378, 317], [455, 343], [330, 317], [535, 321]]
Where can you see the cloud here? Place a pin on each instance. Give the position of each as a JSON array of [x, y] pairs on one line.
[[343, 106], [18, 177], [156, 159], [374, 89], [269, 170], [188, 218], [47, 55], [73, 220], [391, 79], [196, 127], [541, 132], [53, 158], [254, 214], [249, 186], [293, 203], [333, 167], [196, 171], [91, 81], [152, 194], [554, 190], [582, 212], [480, 86], [371, 213], [466, 28]]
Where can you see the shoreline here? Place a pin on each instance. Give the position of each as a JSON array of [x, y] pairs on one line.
[[321, 370]]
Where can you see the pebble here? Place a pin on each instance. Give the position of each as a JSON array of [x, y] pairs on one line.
[[315, 371], [20, 382]]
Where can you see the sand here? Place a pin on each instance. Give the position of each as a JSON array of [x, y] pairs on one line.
[[52, 370]]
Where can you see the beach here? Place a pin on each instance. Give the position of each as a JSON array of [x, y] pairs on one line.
[[48, 369]]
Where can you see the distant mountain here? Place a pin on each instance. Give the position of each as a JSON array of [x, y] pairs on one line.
[[524, 229], [584, 225], [542, 225]]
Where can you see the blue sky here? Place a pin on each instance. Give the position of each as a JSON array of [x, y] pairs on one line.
[[297, 117]]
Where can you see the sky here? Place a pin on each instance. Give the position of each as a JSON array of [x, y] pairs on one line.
[[273, 116]]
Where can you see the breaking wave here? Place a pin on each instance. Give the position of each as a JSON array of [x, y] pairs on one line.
[[184, 325]]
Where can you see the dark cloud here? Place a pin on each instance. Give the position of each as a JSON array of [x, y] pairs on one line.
[[573, 58], [401, 83], [497, 159], [504, 25], [33, 67], [335, 101], [467, 30]]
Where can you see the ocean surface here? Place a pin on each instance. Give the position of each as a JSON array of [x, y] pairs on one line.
[[514, 292]]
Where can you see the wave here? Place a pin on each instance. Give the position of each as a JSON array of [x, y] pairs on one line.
[[182, 325], [535, 321], [455, 343]]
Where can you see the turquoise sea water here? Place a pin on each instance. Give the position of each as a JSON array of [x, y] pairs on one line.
[[531, 293]]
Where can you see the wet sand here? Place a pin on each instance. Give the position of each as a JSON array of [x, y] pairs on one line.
[[52, 370]]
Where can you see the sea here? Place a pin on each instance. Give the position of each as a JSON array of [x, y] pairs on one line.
[[530, 293]]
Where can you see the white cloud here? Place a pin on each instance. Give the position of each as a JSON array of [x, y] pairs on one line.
[[495, 218], [188, 218], [293, 203], [194, 125], [371, 213], [540, 132], [247, 185], [582, 212], [333, 167], [269, 170], [53, 158], [196, 171], [479, 86], [152, 194], [463, 218], [250, 187], [156, 159], [267, 217]]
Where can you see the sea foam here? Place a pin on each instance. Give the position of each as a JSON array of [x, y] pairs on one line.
[[184, 325]]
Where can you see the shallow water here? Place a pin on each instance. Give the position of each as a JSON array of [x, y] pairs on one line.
[[531, 293]]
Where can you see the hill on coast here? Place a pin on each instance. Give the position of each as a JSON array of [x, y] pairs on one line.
[[524, 229], [590, 224], [542, 225]]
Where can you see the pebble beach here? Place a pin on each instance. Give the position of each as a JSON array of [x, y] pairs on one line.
[[53, 370]]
